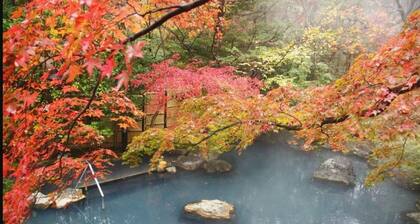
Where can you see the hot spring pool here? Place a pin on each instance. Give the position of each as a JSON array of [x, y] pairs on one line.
[[270, 183]]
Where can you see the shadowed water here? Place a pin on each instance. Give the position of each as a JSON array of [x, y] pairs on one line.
[[271, 183]]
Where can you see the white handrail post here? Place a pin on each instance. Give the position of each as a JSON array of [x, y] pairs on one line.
[[96, 180], [97, 183]]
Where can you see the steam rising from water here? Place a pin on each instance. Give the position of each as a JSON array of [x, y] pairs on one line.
[[377, 19]]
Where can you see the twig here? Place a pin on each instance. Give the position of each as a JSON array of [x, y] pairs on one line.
[[216, 131], [181, 9], [74, 121]]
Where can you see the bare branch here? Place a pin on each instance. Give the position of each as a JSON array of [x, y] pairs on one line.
[[153, 10], [179, 10], [217, 131], [74, 121]]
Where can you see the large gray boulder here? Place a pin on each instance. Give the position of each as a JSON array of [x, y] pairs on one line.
[[210, 209], [40, 200], [189, 162], [217, 166], [338, 169], [67, 197]]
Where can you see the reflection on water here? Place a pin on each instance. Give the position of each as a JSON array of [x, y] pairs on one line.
[[270, 183]]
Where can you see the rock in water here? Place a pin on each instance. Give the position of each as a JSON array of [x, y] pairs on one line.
[[218, 165], [415, 216], [171, 169], [338, 169], [68, 196], [210, 209], [162, 166], [190, 162], [42, 201]]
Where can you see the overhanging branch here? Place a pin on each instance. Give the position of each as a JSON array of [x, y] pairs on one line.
[[179, 10], [216, 131]]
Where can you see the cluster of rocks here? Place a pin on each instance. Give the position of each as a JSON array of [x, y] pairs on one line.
[[60, 200], [193, 162], [164, 166], [207, 209]]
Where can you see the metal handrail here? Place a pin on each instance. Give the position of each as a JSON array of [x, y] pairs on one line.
[[96, 181]]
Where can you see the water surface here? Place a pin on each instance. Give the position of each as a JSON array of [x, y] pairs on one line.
[[271, 183]]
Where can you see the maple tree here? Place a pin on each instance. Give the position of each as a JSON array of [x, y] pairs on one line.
[[66, 62], [192, 81], [377, 101], [197, 90], [51, 46]]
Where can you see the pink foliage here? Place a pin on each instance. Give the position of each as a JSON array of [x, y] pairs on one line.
[[190, 82]]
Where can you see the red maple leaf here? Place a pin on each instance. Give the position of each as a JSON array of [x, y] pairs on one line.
[[135, 50], [108, 67], [122, 80], [91, 63], [30, 99]]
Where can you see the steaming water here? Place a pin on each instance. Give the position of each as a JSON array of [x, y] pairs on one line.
[[271, 183]]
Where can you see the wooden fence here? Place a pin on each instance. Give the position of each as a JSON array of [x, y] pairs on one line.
[[163, 118]]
